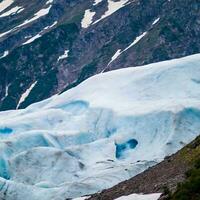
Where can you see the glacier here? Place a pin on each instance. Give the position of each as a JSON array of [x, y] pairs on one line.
[[107, 129]]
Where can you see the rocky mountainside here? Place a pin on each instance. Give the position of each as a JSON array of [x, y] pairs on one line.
[[181, 169], [49, 46]]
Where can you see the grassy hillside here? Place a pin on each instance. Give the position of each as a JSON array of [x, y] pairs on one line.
[[190, 188]]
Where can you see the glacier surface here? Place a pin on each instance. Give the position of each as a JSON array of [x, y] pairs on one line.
[[108, 129]]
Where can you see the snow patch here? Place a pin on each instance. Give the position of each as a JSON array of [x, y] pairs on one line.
[[65, 55], [5, 33], [51, 26], [119, 52], [4, 54], [115, 56], [39, 34], [36, 16], [156, 21], [32, 39], [26, 94], [6, 92], [81, 198], [12, 11], [7, 88], [5, 4], [87, 19], [140, 197], [96, 2], [135, 41], [49, 2], [113, 6]]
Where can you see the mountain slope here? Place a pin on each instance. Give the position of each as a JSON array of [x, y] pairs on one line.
[[95, 38], [127, 119], [163, 177]]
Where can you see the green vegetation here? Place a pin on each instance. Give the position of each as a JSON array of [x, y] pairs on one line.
[[191, 153], [190, 189]]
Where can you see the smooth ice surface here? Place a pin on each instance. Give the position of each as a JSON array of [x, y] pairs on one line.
[[107, 129]]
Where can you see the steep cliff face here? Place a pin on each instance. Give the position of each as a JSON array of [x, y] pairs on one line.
[[47, 47]]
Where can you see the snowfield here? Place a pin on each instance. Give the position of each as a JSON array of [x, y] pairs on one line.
[[140, 197], [108, 129], [5, 4], [41, 13]]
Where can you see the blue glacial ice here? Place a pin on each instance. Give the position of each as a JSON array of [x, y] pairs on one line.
[[106, 130]]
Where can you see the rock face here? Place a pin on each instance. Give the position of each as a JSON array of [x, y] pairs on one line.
[[47, 47]]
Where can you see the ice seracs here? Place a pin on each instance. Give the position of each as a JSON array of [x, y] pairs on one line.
[[106, 130]]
